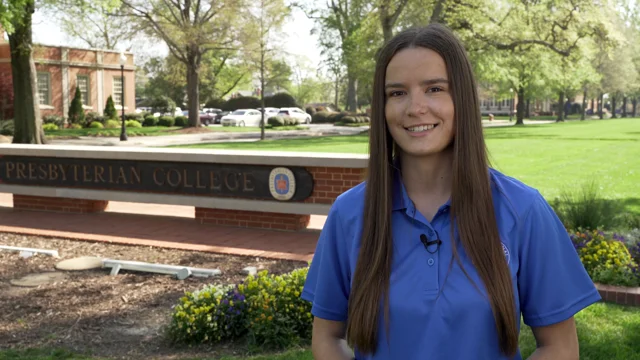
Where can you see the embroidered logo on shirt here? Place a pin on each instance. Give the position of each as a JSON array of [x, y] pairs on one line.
[[506, 253]]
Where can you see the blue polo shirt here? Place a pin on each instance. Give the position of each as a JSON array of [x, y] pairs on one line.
[[550, 282]]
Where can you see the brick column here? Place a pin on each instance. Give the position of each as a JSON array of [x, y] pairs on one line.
[[329, 183], [42, 203]]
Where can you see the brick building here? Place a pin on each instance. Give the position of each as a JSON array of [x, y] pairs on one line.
[[60, 69]]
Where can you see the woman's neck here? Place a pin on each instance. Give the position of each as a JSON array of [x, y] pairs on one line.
[[428, 177]]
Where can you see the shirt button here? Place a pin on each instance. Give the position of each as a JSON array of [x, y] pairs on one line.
[[430, 261]]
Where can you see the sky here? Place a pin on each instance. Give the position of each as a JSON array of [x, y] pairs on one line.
[[298, 41]]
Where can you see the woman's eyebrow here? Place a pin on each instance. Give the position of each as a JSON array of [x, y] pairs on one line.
[[423, 82]]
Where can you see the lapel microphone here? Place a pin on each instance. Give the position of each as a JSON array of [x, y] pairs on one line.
[[427, 243]]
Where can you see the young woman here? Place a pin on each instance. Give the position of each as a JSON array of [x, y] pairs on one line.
[[388, 279]]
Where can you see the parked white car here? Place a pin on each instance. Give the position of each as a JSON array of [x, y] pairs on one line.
[[295, 113], [271, 112], [242, 117]]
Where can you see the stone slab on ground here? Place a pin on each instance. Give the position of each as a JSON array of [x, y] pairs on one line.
[[35, 280], [80, 263], [250, 270]]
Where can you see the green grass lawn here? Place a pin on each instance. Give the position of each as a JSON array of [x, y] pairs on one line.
[[550, 157], [144, 131], [605, 331]]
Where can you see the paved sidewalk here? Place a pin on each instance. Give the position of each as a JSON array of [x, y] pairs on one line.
[[160, 226]]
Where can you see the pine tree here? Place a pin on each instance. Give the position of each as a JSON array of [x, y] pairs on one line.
[[76, 112], [110, 112]]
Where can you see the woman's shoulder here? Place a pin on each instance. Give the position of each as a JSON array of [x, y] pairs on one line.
[[514, 193], [351, 199]]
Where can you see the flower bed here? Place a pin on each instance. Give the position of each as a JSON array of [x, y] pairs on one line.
[[609, 258], [266, 311]]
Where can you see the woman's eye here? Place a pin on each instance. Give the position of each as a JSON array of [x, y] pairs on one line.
[[435, 89], [395, 93]]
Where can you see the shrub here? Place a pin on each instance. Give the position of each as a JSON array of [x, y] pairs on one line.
[[242, 102], [310, 110], [320, 117], [276, 121], [605, 257], [585, 209], [167, 121], [75, 126], [94, 117], [7, 128], [134, 116], [215, 104], [348, 120], [53, 119], [214, 313], [163, 105], [112, 124], [76, 112], [132, 124], [265, 309], [181, 121], [96, 125], [291, 121], [50, 127], [110, 109], [280, 100], [150, 120]]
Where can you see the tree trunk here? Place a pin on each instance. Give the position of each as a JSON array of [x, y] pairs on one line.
[[613, 107], [26, 106], [193, 87], [601, 107], [624, 107], [385, 22], [584, 105], [527, 111], [634, 102], [337, 94], [352, 93], [521, 104], [437, 14], [262, 123], [593, 106], [560, 107]]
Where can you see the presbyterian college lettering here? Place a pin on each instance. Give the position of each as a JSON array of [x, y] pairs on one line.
[[255, 182]]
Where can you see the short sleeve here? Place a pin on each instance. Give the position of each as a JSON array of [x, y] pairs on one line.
[[327, 285], [553, 283]]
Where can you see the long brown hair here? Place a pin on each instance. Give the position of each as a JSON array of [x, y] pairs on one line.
[[472, 208]]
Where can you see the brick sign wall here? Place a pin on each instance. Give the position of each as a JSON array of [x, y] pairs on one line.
[[310, 185]]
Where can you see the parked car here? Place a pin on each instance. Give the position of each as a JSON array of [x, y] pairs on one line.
[[295, 113], [209, 116], [242, 117], [220, 115], [270, 112]]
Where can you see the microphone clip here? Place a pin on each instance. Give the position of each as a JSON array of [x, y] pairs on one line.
[[427, 244]]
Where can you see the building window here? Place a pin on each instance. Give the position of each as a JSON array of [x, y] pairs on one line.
[[118, 85], [82, 81], [44, 88]]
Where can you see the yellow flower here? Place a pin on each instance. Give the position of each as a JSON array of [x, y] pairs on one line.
[[270, 318]]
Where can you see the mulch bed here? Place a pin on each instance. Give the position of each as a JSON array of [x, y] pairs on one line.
[[118, 317]]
